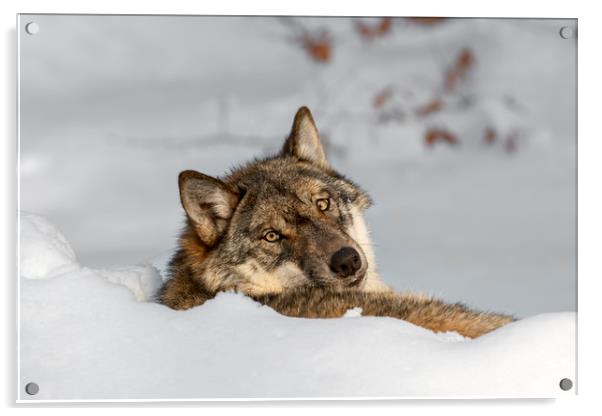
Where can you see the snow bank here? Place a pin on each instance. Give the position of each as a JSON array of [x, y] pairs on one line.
[[45, 252], [85, 335]]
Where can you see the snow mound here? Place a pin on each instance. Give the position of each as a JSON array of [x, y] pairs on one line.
[[85, 335], [45, 252], [143, 280]]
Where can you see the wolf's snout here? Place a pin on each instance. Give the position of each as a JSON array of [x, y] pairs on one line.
[[345, 262]]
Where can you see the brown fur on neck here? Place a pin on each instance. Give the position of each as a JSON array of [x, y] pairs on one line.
[[185, 288]]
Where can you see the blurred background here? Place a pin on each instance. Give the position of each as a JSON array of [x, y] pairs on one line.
[[462, 130]]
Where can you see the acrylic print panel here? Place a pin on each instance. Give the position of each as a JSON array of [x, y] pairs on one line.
[[461, 132]]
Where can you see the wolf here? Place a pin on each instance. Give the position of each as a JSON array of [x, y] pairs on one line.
[[288, 231]]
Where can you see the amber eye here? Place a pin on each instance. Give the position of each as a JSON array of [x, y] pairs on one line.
[[271, 236], [323, 204]]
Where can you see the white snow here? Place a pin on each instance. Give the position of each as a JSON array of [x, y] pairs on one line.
[[353, 313], [87, 334], [143, 280], [44, 250]]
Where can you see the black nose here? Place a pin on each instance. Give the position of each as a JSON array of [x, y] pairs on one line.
[[345, 262]]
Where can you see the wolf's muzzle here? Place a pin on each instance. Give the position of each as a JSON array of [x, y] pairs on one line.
[[345, 262]]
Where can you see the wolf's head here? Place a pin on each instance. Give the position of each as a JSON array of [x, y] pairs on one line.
[[279, 223]]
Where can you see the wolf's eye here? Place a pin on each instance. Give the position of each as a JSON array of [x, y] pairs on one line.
[[271, 236], [323, 204]]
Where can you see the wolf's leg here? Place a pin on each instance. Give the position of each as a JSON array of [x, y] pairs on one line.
[[436, 315], [419, 310], [182, 293]]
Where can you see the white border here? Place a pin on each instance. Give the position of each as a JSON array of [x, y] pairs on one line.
[[590, 151], [18, 227]]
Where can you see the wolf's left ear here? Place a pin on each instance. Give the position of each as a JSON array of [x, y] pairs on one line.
[[304, 140], [208, 202]]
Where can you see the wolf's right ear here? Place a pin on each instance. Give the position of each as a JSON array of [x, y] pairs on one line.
[[208, 202], [304, 140]]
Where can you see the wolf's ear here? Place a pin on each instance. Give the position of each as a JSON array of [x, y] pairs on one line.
[[208, 202], [304, 140]]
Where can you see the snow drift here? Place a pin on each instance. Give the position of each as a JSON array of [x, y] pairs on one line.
[[96, 334]]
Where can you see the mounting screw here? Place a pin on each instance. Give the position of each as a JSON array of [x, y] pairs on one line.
[[566, 384], [32, 28], [566, 32], [32, 389]]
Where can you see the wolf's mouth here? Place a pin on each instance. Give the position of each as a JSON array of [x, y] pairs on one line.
[[355, 281]]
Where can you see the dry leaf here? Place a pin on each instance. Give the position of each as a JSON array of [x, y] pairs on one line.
[[318, 46], [490, 136], [382, 28], [382, 97], [432, 107], [464, 62], [427, 21], [433, 136]]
